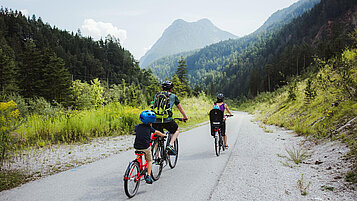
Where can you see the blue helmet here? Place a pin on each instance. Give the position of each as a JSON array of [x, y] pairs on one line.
[[147, 116]]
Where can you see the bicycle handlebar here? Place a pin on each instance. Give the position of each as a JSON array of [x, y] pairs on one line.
[[181, 119]]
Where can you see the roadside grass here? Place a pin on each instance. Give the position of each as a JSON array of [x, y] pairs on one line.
[[196, 109], [11, 179], [303, 187], [296, 155], [76, 126], [324, 104]]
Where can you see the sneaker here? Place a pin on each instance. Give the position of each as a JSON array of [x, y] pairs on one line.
[[171, 150], [148, 179]]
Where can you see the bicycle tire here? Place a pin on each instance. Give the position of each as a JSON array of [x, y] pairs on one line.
[[173, 158], [217, 145], [221, 144], [131, 183], [157, 164]]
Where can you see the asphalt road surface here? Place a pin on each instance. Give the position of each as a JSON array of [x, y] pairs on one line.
[[194, 178], [249, 170]]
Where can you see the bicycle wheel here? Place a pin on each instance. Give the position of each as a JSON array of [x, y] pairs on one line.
[[157, 163], [217, 146], [131, 183], [221, 142], [173, 158]]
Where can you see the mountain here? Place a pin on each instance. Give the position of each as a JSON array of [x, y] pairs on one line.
[[215, 56], [183, 36], [272, 61], [284, 16]]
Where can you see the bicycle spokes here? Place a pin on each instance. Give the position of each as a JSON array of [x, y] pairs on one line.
[[132, 179]]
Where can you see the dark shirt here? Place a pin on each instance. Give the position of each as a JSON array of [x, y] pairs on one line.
[[143, 135]]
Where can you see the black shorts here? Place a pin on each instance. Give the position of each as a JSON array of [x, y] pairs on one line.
[[170, 126]]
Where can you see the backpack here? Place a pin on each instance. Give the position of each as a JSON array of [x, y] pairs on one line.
[[161, 105]]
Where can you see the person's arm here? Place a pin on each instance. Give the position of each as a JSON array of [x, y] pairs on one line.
[[159, 133], [185, 118], [226, 106]]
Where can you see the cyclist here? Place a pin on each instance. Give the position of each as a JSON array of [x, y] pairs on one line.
[[142, 139], [219, 104], [168, 123]]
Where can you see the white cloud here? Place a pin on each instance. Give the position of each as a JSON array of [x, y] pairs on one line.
[[99, 30]]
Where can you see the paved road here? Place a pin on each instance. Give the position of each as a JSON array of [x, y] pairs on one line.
[[194, 177], [249, 170]]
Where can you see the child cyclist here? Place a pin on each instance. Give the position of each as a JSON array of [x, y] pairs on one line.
[[219, 104], [142, 139]]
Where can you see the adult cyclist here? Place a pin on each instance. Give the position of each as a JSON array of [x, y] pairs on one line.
[[219, 104], [168, 123]]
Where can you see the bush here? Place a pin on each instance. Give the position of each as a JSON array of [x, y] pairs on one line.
[[9, 120]]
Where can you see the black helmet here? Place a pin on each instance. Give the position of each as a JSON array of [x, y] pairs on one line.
[[167, 85], [220, 97]]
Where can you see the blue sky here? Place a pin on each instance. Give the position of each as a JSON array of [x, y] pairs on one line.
[[140, 23]]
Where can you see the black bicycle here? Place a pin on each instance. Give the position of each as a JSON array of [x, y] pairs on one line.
[[161, 156], [216, 121]]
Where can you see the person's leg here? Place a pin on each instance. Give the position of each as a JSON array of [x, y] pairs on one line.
[[225, 134], [173, 128], [149, 168], [174, 137], [148, 159]]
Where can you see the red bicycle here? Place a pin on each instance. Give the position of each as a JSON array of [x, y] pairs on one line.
[[134, 173]]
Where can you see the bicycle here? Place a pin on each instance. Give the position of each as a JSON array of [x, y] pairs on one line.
[[161, 155], [135, 172], [216, 121]]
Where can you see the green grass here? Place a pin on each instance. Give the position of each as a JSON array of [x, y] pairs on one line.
[[320, 116], [303, 187], [77, 126], [297, 154], [196, 109], [11, 179]]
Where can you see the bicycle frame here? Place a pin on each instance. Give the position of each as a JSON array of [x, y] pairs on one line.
[[142, 167], [161, 143]]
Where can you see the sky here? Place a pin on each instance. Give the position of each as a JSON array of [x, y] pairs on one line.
[[140, 23]]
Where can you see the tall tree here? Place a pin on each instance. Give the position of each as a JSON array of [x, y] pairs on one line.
[[57, 81], [8, 71], [181, 73], [31, 70]]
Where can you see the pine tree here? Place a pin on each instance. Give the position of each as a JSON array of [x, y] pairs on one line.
[[31, 70], [56, 85], [8, 71], [181, 73]]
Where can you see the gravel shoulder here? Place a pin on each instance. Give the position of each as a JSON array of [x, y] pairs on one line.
[[259, 169], [42, 162]]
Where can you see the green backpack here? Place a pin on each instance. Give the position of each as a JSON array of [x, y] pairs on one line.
[[161, 105]]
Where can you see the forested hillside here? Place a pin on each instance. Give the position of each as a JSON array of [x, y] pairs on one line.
[[165, 67], [38, 60], [204, 64], [183, 36], [270, 62]]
